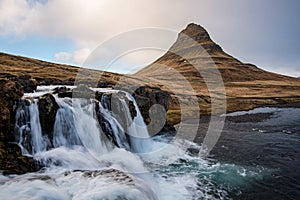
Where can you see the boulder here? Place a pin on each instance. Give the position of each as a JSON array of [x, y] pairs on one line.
[[47, 112], [62, 92], [13, 162]]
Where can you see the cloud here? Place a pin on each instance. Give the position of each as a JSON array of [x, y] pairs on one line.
[[85, 21], [77, 57], [12, 16], [63, 57], [132, 61], [254, 31]]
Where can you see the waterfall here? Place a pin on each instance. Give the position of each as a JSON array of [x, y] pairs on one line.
[[23, 133], [112, 127], [38, 142], [87, 123], [28, 129], [139, 137], [98, 149]]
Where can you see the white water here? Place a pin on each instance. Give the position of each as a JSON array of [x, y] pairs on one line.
[[84, 164], [38, 143], [137, 130]]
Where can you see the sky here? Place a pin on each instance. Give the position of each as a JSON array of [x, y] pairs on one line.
[[262, 32]]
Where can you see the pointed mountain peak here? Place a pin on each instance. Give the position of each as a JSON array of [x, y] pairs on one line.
[[200, 35], [196, 32]]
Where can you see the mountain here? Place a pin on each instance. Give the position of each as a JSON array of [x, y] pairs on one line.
[[231, 69], [246, 85]]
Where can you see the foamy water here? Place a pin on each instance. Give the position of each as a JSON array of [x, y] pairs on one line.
[[84, 164]]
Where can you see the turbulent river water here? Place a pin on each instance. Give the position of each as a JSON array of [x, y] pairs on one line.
[[256, 157]]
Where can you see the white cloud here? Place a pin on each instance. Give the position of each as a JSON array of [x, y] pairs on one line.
[[87, 22], [77, 57], [246, 29], [80, 55], [135, 60], [13, 14], [63, 57]]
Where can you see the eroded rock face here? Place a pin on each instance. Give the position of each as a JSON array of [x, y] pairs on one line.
[[153, 104], [9, 95], [148, 96], [11, 159], [47, 112], [13, 162], [63, 92]]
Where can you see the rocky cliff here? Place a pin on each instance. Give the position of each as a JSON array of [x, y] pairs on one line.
[[11, 158]]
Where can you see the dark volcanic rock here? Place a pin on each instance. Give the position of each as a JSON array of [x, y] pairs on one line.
[[47, 111], [109, 100], [62, 92], [153, 104], [61, 89], [27, 84], [146, 97], [11, 159], [10, 93]]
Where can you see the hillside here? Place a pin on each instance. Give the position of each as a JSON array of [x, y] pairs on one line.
[[17, 67], [192, 64]]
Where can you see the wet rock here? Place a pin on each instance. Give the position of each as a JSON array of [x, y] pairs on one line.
[[13, 162], [146, 97], [58, 90], [153, 104], [109, 100], [11, 159], [119, 111], [62, 92], [69, 81], [47, 112], [22, 124], [9, 95]]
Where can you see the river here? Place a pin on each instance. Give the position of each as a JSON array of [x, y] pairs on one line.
[[256, 157]]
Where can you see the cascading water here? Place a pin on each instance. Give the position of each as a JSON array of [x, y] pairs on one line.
[[113, 128], [76, 124], [28, 126], [139, 137], [99, 150]]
